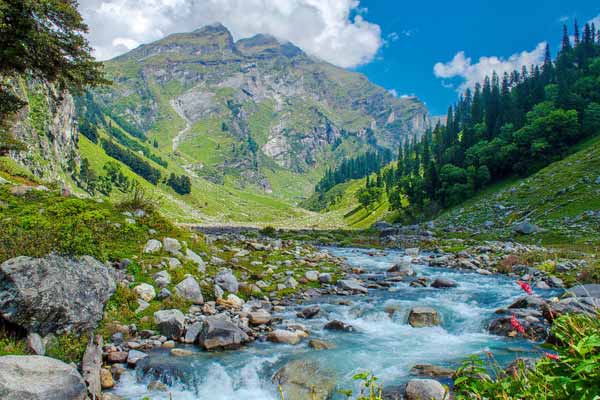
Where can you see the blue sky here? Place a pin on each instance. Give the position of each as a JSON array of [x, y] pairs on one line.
[[420, 34]]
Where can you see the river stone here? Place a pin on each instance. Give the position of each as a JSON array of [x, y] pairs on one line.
[[172, 246], [336, 325], [305, 380], [192, 332], [423, 316], [325, 277], [425, 389], [502, 326], [284, 336], [588, 290], [189, 289], [309, 312], [145, 292], [170, 323], [152, 246], [220, 333], [320, 345], [106, 380], [443, 283], [401, 270], [134, 357], [54, 294], [162, 279], [259, 317], [39, 378], [312, 276], [431, 370], [181, 353], [196, 259], [352, 285], [227, 280]]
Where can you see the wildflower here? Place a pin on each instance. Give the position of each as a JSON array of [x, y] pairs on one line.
[[525, 286], [551, 356], [516, 325]]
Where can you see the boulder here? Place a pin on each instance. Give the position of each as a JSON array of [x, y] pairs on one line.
[[181, 353], [352, 285], [442, 283], [336, 325], [226, 280], [170, 323], [589, 290], [106, 380], [172, 246], [219, 332], [325, 278], [54, 294], [525, 228], [39, 378], [423, 316], [145, 292], [134, 356], [284, 336], [320, 345], [152, 246], [431, 370], [196, 259], [304, 380], [425, 389], [232, 301], [162, 279], [192, 332], [189, 289], [35, 344], [312, 276], [259, 317], [309, 312], [535, 330]]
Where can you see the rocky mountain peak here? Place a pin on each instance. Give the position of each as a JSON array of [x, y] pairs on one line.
[[267, 45]]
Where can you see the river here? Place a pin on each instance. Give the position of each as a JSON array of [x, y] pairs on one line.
[[385, 345]]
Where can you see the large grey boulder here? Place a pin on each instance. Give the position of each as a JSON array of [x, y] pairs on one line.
[[195, 258], [305, 380], [425, 389], [152, 246], [227, 281], [352, 285], [172, 246], [589, 290], [54, 294], [401, 270], [423, 316], [220, 333], [170, 323], [525, 228], [189, 289], [39, 378]]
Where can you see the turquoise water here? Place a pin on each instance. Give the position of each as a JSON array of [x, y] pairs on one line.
[[388, 347]]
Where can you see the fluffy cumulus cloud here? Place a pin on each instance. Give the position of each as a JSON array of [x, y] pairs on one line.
[[334, 30], [470, 73]]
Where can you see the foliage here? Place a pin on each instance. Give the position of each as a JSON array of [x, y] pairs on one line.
[[129, 158], [369, 389], [571, 373], [68, 348], [181, 184]]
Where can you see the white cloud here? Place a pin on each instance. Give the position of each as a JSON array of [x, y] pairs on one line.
[[393, 92], [595, 21], [462, 66], [324, 28]]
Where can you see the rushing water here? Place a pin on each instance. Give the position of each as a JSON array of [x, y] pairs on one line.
[[388, 347]]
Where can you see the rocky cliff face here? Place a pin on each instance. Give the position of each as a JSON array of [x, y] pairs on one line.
[[254, 104], [47, 126]]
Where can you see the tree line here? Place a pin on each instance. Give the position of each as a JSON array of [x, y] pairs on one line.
[[509, 125]]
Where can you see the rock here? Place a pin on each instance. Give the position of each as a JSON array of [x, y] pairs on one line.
[[352, 285], [423, 316], [260, 317], [181, 353], [142, 305], [145, 292], [227, 281], [20, 190], [425, 389], [171, 246], [304, 380], [152, 246], [309, 312], [401, 270], [220, 333], [174, 263], [534, 302], [35, 344], [284, 336], [320, 345], [325, 278], [39, 378], [192, 332], [291, 283], [588, 290], [337, 325], [189, 289], [555, 282], [164, 294], [431, 370], [170, 323], [54, 294], [232, 301], [525, 228], [91, 365], [106, 379], [134, 357], [312, 276], [442, 283], [195, 258], [482, 271], [535, 330], [412, 252], [542, 285], [573, 305], [117, 357], [162, 279]]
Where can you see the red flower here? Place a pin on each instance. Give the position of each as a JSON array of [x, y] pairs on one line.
[[516, 325], [551, 356], [525, 286]]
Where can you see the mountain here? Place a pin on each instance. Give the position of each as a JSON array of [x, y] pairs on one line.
[[253, 113]]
